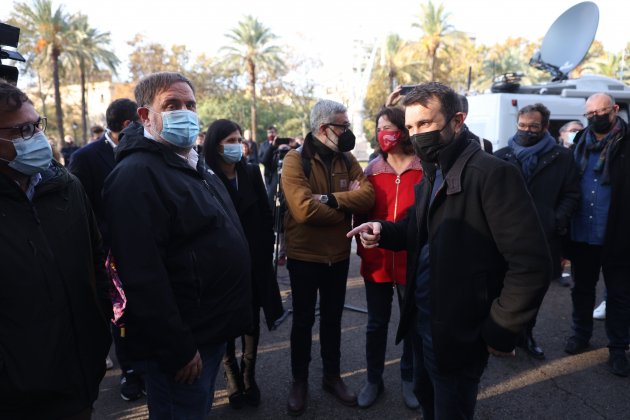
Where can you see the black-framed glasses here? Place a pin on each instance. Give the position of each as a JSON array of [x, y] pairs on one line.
[[345, 127], [28, 130], [601, 111]]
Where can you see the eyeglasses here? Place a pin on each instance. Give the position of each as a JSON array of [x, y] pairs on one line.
[[601, 111], [28, 130], [529, 127], [345, 127]]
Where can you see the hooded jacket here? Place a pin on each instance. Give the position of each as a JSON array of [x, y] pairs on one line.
[[181, 253], [54, 304]]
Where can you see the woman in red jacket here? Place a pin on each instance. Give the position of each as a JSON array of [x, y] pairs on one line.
[[393, 173]]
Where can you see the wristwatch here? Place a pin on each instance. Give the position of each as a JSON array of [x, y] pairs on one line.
[[323, 199]]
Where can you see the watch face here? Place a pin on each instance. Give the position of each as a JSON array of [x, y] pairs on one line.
[[323, 199]]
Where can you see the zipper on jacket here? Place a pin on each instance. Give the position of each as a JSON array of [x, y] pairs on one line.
[[395, 214], [223, 210]]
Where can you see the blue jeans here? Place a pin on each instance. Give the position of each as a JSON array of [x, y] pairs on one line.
[[443, 395], [379, 301], [168, 400]]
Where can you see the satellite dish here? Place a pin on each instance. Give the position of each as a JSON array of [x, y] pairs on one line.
[[567, 41]]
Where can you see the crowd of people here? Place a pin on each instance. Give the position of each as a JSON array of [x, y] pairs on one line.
[[161, 236]]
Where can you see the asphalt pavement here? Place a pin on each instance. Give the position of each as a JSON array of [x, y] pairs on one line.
[[559, 387]]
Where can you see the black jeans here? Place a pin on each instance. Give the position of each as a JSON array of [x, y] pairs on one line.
[[379, 301], [586, 265], [443, 395], [306, 279]]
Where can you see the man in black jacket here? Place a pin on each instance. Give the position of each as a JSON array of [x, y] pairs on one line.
[[54, 303], [478, 264], [92, 164], [180, 251], [551, 176], [600, 230]]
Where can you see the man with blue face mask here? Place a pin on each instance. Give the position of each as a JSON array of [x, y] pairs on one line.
[[54, 305], [180, 251]]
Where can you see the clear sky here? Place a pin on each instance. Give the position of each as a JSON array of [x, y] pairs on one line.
[[325, 29]]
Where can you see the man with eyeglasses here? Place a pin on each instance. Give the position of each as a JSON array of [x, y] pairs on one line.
[[323, 186], [600, 230], [552, 181], [54, 304]]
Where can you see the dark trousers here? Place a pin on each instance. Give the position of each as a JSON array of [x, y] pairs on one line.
[[306, 279], [586, 265], [443, 395], [379, 301]]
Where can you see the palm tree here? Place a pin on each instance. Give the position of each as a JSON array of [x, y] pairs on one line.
[[46, 33], [252, 48], [89, 48], [436, 31]]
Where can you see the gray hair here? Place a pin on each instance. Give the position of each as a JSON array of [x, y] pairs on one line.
[[567, 125], [151, 85], [324, 112]]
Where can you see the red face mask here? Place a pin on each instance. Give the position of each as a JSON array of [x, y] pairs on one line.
[[388, 139], [270, 137]]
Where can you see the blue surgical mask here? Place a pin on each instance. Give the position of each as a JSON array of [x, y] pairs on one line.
[[32, 155], [180, 128], [232, 152]]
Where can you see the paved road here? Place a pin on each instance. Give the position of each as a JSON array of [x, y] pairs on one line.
[[560, 387]]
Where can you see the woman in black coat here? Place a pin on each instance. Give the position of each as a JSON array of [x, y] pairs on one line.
[[223, 154]]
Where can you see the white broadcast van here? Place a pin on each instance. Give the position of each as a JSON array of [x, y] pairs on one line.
[[493, 115]]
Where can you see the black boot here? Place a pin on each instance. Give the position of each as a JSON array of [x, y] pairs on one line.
[[234, 379], [248, 369], [528, 343]]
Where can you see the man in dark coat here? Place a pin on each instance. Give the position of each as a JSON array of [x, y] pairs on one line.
[[180, 251], [600, 230], [54, 302], [478, 264], [92, 164], [272, 135], [552, 181]]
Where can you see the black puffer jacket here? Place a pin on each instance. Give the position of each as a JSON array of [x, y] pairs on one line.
[[180, 250], [53, 334]]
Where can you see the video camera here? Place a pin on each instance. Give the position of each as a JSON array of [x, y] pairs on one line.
[[9, 37]]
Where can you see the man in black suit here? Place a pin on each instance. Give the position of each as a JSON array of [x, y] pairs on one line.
[[92, 164]]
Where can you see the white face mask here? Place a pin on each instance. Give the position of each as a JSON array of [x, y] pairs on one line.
[[570, 138]]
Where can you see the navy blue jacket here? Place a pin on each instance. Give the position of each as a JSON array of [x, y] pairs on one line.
[[180, 251], [92, 164]]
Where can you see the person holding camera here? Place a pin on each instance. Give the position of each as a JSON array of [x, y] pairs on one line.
[[243, 181]]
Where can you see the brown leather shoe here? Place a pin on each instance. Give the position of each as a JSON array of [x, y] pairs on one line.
[[336, 386], [296, 403]]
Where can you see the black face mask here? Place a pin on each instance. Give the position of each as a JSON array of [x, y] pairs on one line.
[[600, 124], [428, 145], [527, 138], [346, 141]]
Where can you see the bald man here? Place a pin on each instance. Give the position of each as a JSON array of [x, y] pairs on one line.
[[600, 230]]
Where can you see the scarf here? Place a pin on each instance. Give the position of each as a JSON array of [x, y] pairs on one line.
[[528, 156], [588, 144]]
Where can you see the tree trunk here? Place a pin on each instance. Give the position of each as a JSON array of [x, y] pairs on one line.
[[251, 69], [83, 104], [42, 97], [58, 110]]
